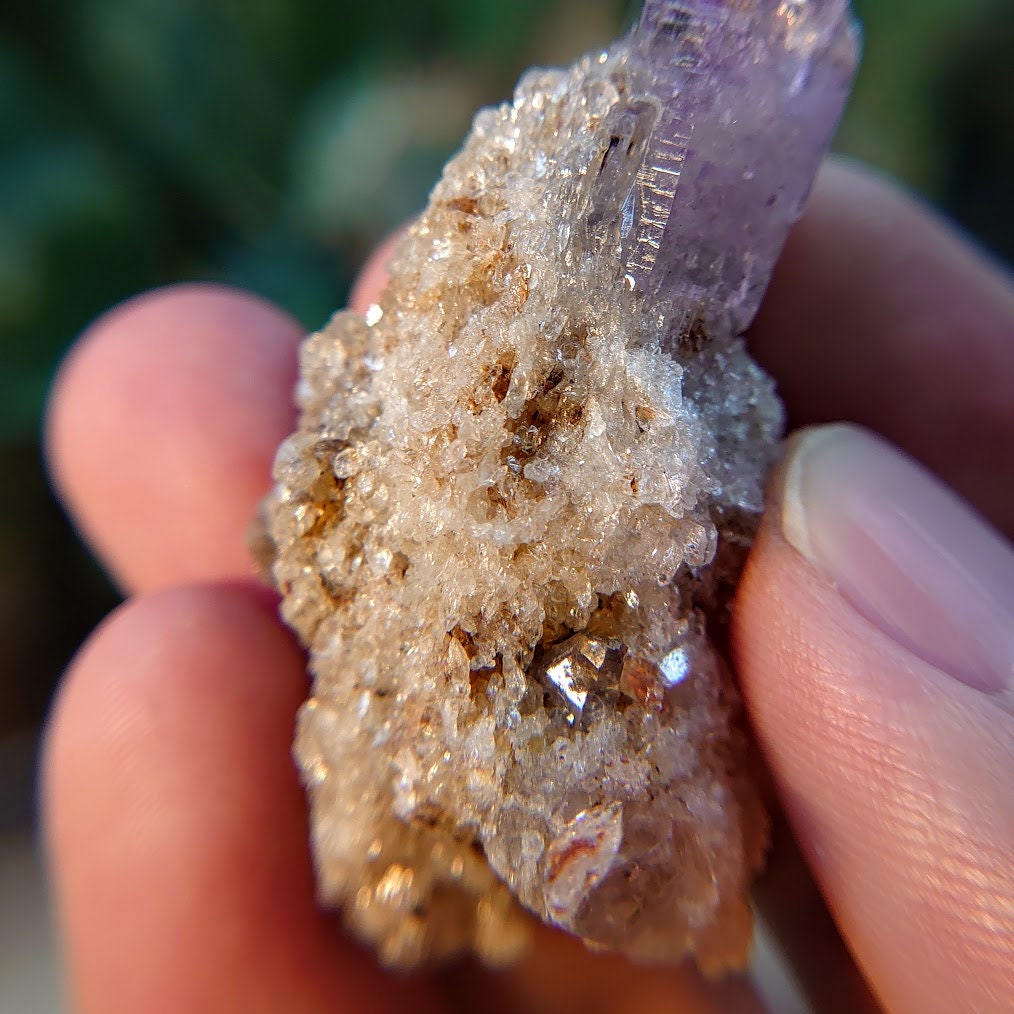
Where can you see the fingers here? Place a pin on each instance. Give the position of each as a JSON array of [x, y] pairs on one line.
[[875, 646], [163, 425], [177, 827], [880, 314]]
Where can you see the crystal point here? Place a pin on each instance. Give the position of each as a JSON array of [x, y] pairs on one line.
[[522, 487], [749, 93]]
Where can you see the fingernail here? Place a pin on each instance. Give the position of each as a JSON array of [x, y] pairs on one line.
[[910, 555]]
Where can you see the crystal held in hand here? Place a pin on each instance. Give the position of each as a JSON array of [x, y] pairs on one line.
[[509, 524]]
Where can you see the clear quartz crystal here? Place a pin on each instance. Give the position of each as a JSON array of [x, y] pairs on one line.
[[509, 523]]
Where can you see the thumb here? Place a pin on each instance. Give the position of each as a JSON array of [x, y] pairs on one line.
[[875, 646]]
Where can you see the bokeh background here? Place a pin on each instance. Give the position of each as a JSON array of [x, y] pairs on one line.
[[270, 143]]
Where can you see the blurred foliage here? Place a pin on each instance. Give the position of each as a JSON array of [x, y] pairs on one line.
[[269, 143]]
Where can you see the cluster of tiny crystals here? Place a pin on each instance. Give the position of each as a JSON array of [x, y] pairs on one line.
[[508, 526]]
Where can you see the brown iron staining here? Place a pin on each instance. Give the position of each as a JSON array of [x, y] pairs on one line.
[[644, 417], [695, 338], [581, 847], [553, 408], [478, 679], [495, 272], [493, 385], [466, 204], [324, 499]]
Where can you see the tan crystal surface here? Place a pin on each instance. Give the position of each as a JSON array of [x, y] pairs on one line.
[[507, 531]]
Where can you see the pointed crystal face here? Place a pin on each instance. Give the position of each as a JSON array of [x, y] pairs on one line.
[[580, 857], [714, 194], [521, 491], [579, 667]]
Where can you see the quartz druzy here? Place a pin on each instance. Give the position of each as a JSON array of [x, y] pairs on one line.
[[522, 487]]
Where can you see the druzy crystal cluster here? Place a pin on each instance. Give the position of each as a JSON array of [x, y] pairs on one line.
[[521, 490]]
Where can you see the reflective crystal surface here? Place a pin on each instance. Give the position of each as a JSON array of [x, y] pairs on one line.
[[508, 526]]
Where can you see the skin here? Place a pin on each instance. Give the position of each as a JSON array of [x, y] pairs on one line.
[[174, 821]]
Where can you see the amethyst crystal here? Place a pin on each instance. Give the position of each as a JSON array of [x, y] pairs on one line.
[[744, 96], [522, 487]]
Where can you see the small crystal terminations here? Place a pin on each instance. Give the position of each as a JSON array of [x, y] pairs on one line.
[[509, 525]]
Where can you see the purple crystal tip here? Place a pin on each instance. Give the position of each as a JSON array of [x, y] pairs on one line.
[[748, 94]]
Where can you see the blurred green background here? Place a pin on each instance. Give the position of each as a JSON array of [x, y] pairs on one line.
[[269, 143]]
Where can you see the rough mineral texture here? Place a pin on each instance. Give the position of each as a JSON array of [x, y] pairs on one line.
[[522, 487]]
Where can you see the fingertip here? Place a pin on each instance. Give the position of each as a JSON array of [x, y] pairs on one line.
[[885, 764], [162, 425], [909, 555], [148, 705], [153, 655], [147, 773]]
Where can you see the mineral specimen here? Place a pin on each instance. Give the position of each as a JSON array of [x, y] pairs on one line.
[[509, 523]]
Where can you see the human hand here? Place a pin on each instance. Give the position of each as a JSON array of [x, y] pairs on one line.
[[175, 822]]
